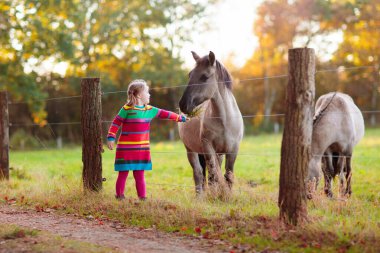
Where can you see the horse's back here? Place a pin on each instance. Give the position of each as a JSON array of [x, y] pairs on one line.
[[342, 121]]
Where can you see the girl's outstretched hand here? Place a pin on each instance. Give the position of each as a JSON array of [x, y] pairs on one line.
[[186, 118], [110, 144]]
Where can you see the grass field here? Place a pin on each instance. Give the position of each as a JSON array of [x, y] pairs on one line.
[[52, 178]]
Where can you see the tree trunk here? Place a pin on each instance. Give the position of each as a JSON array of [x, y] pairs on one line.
[[297, 136], [92, 146], [4, 136]]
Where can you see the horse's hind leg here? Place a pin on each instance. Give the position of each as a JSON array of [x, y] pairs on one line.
[[230, 162], [327, 167], [341, 165], [348, 175], [199, 179]]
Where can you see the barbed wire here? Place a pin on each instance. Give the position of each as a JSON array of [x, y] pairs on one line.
[[269, 154], [343, 68], [339, 69], [233, 190], [215, 117], [45, 124], [46, 99], [253, 193], [256, 154]]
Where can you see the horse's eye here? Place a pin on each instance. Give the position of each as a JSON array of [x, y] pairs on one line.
[[203, 78]]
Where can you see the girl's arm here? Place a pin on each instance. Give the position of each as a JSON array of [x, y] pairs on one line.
[[115, 125], [163, 114]]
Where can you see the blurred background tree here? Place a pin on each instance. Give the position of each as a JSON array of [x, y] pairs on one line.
[[46, 47], [115, 40], [351, 25]]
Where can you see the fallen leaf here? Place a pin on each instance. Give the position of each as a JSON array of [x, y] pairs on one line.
[[206, 235]]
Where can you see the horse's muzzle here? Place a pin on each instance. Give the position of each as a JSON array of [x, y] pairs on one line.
[[184, 106]]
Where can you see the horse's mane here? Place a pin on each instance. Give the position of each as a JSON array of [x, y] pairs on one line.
[[223, 75], [318, 117]]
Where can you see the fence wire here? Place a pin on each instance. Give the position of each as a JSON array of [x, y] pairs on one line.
[[215, 117], [276, 155], [339, 69]]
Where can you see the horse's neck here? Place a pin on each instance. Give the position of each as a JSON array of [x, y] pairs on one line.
[[222, 103]]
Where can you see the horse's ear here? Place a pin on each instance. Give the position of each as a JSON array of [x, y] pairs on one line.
[[195, 56], [211, 58]]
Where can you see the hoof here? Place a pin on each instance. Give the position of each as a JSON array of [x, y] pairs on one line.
[[229, 179], [348, 193]]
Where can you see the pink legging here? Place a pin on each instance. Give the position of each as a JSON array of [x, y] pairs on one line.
[[139, 179]]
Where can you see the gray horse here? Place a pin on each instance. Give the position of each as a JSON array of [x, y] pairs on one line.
[[338, 127], [218, 129]]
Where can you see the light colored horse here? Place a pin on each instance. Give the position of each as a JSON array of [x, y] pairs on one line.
[[218, 129], [338, 127]]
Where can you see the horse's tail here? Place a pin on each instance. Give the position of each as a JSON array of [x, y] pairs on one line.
[[202, 161]]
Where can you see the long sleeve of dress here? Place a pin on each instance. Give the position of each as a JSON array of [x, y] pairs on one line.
[[115, 125], [163, 114]]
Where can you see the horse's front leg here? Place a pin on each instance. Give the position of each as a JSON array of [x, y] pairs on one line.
[[212, 163], [230, 162], [199, 179]]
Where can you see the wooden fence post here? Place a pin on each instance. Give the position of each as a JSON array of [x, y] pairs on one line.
[[92, 146], [4, 136], [297, 135]]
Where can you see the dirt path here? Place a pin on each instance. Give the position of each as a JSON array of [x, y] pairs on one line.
[[110, 234]]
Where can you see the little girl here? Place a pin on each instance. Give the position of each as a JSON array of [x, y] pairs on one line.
[[132, 150]]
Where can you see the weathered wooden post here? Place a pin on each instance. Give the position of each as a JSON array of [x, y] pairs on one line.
[[297, 135], [91, 134], [4, 136]]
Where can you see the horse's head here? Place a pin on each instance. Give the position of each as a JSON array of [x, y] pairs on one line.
[[203, 82]]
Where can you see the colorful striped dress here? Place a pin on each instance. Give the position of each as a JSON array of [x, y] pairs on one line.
[[132, 150]]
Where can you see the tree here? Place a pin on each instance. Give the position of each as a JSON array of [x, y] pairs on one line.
[[283, 24], [360, 47], [116, 40]]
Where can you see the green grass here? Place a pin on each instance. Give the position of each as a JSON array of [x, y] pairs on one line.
[[53, 178]]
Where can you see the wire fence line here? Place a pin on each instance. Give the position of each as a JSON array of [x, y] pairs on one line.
[[234, 189], [46, 99], [49, 124], [216, 117], [342, 69], [339, 69], [238, 189], [255, 154]]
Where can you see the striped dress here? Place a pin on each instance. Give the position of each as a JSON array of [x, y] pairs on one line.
[[132, 150]]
